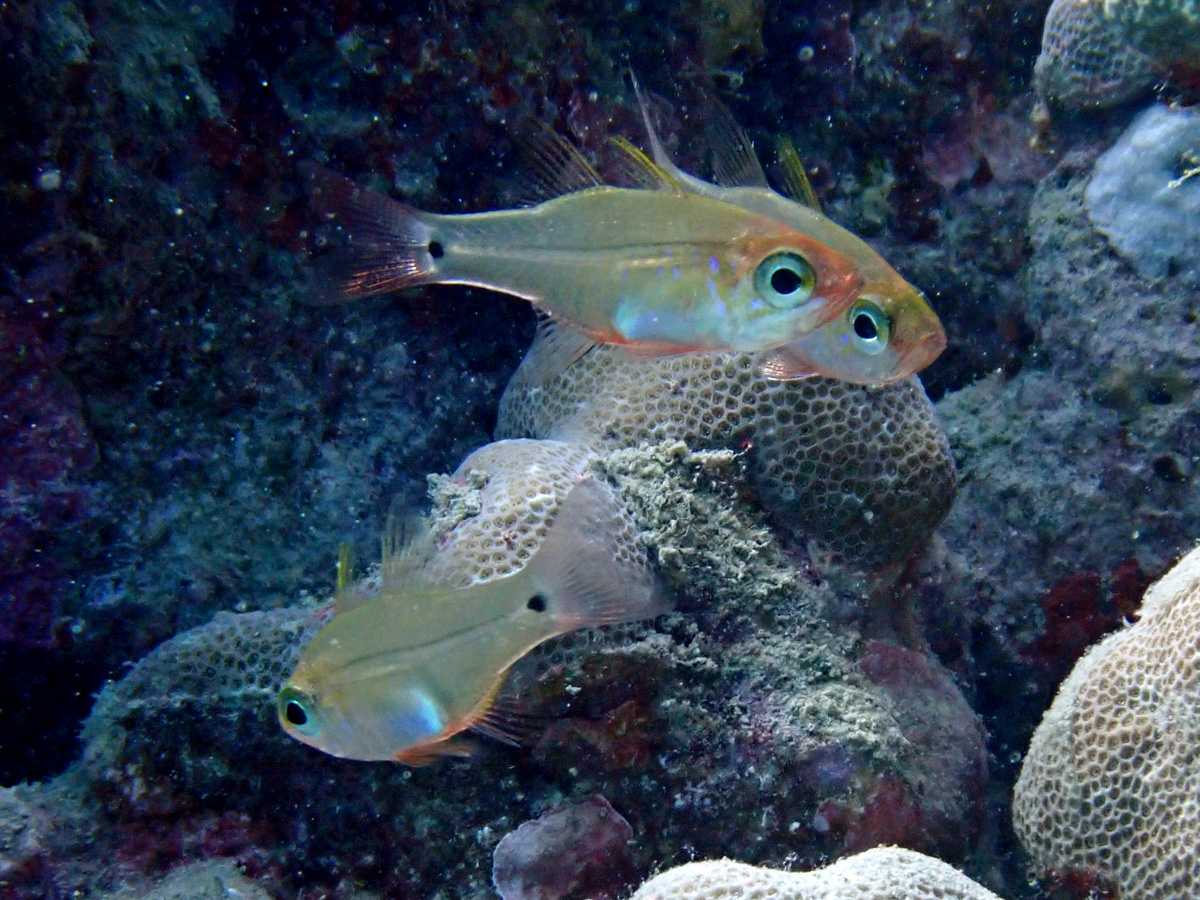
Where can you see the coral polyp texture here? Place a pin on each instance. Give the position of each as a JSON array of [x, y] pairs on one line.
[[865, 471], [1168, 31], [495, 509], [213, 687], [886, 873], [1103, 53], [1086, 60], [1111, 784]]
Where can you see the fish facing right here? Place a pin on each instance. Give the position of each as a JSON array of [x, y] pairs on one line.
[[660, 271], [401, 675], [888, 332]]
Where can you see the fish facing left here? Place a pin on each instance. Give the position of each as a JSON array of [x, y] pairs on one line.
[[663, 271], [399, 676]]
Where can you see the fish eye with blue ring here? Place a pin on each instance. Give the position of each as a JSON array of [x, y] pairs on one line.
[[296, 711], [870, 324], [785, 279]]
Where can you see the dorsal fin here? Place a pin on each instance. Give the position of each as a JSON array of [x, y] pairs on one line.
[[553, 165], [734, 162], [642, 171], [657, 151], [344, 596], [795, 179], [408, 544]]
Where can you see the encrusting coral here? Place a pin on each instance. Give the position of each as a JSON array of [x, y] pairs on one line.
[[1098, 54], [1086, 62], [886, 873], [1110, 787]]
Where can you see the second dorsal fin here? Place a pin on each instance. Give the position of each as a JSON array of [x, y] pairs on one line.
[[641, 170], [734, 162], [795, 178], [408, 545]]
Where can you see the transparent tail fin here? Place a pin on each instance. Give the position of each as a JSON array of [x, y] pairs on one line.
[[388, 245]]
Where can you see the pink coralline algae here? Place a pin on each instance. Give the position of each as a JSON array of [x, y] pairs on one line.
[[938, 805], [573, 851]]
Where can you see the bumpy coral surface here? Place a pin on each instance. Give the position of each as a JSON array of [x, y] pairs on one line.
[[212, 688], [1086, 61], [209, 880], [496, 508], [866, 471], [1167, 30], [1111, 784], [887, 873], [1103, 53]]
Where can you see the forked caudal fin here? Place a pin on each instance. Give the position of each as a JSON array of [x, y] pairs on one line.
[[390, 245], [580, 572]]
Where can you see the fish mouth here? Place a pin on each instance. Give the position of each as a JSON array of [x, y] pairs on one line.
[[928, 347]]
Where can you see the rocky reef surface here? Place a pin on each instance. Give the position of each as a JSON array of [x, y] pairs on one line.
[[187, 437]]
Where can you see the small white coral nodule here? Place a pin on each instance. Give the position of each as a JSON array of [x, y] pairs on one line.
[[884, 873]]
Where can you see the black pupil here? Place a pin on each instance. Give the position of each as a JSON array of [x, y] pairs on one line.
[[537, 603], [785, 281], [864, 327], [436, 250], [295, 713]]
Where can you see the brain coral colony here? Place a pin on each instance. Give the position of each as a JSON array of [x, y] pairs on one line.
[[1110, 788]]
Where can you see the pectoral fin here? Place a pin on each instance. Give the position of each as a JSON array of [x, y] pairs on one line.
[[785, 364], [556, 347]]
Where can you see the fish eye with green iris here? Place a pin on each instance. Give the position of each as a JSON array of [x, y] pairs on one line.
[[785, 280], [887, 332]]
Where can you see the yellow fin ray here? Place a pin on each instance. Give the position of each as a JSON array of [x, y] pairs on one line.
[[795, 179], [343, 596], [642, 171]]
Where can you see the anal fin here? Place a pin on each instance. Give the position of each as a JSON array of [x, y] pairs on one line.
[[505, 722], [425, 754], [555, 348]]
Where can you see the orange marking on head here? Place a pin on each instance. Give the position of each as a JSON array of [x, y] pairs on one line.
[[839, 279]]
